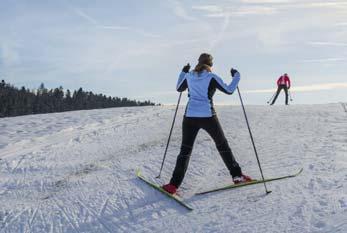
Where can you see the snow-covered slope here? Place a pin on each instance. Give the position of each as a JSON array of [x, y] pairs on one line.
[[75, 172]]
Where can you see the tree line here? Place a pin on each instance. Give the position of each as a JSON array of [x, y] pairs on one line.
[[16, 102]]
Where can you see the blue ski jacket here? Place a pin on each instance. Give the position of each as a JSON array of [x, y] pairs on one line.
[[201, 88]]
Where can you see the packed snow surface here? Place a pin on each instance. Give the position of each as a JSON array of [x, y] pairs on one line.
[[75, 171]]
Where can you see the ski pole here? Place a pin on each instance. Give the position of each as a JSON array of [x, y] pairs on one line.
[[290, 95], [168, 140], [271, 97], [255, 150], [344, 105]]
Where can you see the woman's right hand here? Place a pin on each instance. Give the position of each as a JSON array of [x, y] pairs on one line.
[[233, 72]]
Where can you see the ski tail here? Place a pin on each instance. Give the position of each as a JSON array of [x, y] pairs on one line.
[[160, 189]]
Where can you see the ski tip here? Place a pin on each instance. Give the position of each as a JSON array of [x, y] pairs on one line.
[[300, 171], [138, 172]]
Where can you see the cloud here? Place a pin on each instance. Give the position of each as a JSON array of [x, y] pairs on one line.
[[306, 88], [267, 1], [9, 53], [94, 22], [180, 11], [324, 60], [217, 11], [299, 3], [325, 4], [255, 10], [86, 17], [210, 9], [219, 37], [223, 12], [341, 24], [321, 43]]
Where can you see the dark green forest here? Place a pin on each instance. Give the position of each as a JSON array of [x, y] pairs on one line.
[[16, 102]]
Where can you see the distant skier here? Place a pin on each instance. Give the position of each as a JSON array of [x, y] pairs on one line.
[[283, 82], [200, 114]]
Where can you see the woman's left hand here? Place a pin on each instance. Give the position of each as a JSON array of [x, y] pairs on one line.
[[186, 68]]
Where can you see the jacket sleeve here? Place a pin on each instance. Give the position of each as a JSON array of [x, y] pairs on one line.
[[278, 81], [223, 87], [288, 82], [182, 84]]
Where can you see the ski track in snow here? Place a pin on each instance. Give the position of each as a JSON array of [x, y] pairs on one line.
[[75, 171]]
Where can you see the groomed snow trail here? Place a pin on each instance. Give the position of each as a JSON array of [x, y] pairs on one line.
[[75, 171]]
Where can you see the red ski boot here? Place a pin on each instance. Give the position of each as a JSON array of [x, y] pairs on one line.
[[170, 188], [242, 179]]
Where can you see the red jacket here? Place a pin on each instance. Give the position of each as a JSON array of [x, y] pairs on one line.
[[284, 80]]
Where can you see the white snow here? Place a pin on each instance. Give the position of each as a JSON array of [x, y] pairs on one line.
[[75, 171]]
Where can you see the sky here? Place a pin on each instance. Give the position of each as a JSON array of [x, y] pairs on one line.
[[137, 48]]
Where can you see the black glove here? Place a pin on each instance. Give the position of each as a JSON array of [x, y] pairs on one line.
[[186, 68], [233, 72]]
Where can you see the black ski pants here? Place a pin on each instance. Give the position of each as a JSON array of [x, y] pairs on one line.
[[190, 129], [279, 88]]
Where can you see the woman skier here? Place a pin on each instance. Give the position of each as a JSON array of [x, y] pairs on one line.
[[200, 114], [283, 82]]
